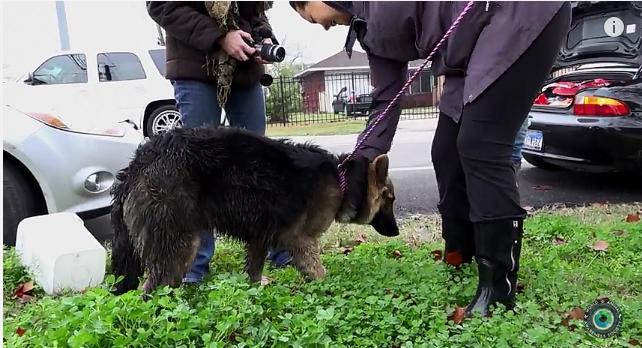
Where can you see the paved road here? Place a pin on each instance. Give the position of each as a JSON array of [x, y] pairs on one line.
[[416, 187]]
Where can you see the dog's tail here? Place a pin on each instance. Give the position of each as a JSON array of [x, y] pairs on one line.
[[126, 261]]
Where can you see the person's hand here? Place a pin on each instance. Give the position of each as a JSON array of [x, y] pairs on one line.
[[234, 45], [258, 58], [356, 188]]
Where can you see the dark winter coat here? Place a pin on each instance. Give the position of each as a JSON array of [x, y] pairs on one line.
[[488, 41], [192, 34]]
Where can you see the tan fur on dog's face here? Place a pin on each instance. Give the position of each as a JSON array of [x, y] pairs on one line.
[[379, 199]]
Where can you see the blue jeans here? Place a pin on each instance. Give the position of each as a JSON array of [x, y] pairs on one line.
[[245, 108], [516, 156]]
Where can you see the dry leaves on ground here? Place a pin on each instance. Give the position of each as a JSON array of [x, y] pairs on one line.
[[633, 217], [576, 313], [458, 315], [600, 245]]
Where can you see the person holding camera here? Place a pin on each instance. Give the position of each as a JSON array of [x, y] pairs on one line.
[[213, 65]]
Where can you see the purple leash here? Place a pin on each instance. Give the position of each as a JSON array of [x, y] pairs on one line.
[[371, 127]]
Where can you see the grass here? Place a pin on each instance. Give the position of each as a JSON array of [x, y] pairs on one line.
[[331, 124], [379, 293], [325, 128]]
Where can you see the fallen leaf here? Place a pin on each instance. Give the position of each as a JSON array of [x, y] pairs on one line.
[[600, 245], [632, 218], [559, 240], [620, 233], [23, 289], [396, 254], [542, 188], [458, 315], [576, 313], [265, 280], [634, 342], [20, 331], [437, 254], [360, 239]]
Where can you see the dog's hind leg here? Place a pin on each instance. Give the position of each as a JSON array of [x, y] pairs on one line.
[[255, 259]]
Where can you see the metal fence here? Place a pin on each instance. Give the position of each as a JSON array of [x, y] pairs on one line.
[[319, 97]]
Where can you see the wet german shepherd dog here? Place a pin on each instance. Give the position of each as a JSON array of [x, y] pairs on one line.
[[266, 193]]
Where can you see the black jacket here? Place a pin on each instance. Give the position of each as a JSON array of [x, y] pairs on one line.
[[192, 34], [489, 40]]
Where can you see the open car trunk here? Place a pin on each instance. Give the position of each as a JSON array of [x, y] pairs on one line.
[[603, 31], [559, 94]]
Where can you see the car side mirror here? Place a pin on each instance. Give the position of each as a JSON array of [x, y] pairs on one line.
[[29, 79], [104, 73]]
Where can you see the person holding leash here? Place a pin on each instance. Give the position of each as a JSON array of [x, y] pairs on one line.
[[494, 63], [212, 67]]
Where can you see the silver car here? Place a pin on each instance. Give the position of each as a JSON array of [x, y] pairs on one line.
[[50, 167]]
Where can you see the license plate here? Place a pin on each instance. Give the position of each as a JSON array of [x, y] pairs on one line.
[[533, 140]]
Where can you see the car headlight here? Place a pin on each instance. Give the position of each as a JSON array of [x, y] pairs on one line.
[[117, 130]]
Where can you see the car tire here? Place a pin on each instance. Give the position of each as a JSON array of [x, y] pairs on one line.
[[539, 162], [163, 116], [20, 201]]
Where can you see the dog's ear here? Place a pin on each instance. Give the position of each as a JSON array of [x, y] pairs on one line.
[[381, 169]]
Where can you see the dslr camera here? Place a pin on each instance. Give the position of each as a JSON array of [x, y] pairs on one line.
[[268, 52]]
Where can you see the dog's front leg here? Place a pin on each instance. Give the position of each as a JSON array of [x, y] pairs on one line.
[[306, 257], [255, 259]]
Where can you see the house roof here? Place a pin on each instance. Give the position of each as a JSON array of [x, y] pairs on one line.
[[340, 62]]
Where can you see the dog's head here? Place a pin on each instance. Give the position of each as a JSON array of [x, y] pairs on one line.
[[377, 209], [380, 198]]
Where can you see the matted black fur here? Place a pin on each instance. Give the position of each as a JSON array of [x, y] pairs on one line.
[[264, 192]]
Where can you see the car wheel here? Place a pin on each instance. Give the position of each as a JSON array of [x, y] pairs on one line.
[[539, 162], [20, 201], [163, 119]]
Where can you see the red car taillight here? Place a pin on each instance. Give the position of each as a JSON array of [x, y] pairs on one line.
[[599, 106]]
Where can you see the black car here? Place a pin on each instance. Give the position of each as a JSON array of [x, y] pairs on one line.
[[589, 117], [352, 105]]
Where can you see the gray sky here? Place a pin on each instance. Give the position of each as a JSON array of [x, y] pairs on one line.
[[29, 30]]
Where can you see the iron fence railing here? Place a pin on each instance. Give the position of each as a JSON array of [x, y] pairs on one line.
[[322, 97]]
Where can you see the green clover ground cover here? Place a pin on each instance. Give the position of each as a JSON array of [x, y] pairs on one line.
[[378, 293]]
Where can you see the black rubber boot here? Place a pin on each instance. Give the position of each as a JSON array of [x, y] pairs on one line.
[[497, 252], [460, 241]]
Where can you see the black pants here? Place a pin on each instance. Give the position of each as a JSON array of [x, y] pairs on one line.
[[472, 158]]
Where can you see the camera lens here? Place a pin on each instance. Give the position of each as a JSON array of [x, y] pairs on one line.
[[272, 53], [278, 53]]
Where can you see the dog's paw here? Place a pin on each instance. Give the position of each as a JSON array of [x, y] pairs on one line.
[[315, 273]]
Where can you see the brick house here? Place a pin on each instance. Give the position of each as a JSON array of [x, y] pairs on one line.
[[322, 81]]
